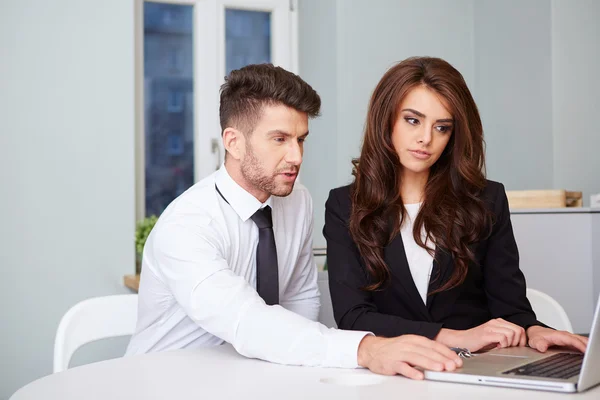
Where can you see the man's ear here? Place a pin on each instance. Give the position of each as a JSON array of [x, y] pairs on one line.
[[234, 142]]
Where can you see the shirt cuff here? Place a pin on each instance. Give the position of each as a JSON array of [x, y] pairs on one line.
[[342, 348]]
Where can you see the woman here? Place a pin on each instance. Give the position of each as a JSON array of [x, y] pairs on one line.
[[421, 243]]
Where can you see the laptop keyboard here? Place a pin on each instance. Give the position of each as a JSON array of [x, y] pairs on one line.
[[560, 366]]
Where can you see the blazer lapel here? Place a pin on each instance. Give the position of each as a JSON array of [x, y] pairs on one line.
[[395, 257], [441, 272]]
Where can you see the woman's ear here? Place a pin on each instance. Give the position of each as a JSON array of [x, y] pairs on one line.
[[234, 142]]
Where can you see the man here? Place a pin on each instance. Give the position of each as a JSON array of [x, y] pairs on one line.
[[230, 260]]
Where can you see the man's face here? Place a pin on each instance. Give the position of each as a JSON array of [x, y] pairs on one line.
[[273, 151]]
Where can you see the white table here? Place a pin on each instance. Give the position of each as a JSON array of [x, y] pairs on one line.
[[221, 373]]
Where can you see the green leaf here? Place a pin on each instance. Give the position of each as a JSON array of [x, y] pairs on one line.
[[142, 231]]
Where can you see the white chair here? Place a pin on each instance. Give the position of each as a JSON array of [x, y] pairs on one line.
[[93, 319], [326, 312], [549, 311]]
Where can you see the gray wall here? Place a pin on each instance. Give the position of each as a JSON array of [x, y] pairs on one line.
[[576, 95], [571, 237], [513, 90], [67, 140], [530, 66], [345, 47], [318, 66], [373, 38]]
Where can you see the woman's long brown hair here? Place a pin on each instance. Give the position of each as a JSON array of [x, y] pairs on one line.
[[452, 214]]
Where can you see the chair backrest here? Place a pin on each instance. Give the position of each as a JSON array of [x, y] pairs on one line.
[[93, 319], [549, 311], [326, 312]]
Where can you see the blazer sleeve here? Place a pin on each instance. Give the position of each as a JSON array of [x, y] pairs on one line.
[[353, 307], [504, 281]]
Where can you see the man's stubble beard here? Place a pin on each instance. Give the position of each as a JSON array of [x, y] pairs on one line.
[[254, 174]]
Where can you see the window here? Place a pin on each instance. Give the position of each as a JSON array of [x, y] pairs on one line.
[[169, 161], [175, 145], [184, 49], [175, 101], [247, 38]]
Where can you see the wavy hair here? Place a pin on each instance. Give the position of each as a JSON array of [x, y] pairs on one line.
[[453, 214]]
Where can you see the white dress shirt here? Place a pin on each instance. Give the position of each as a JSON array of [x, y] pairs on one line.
[[198, 280], [419, 260]]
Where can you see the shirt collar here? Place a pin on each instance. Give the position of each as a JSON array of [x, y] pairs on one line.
[[242, 202]]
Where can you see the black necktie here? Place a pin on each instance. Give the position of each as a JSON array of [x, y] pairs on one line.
[[267, 277]]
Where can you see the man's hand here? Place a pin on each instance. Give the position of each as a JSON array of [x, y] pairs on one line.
[[402, 354], [494, 333], [541, 338]]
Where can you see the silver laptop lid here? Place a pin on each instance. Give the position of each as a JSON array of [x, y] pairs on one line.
[[590, 369]]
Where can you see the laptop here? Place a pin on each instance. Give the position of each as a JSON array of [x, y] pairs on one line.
[[526, 368]]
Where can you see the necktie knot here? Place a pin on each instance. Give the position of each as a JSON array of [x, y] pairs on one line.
[[263, 218]]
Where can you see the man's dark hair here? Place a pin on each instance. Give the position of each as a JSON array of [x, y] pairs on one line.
[[248, 89]]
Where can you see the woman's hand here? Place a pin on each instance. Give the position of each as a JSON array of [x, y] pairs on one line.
[[541, 338], [494, 333]]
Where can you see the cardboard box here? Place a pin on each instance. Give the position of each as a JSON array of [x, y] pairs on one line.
[[543, 198]]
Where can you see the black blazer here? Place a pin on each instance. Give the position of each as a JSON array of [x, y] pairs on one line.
[[494, 286]]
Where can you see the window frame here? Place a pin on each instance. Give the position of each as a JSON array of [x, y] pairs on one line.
[[209, 44]]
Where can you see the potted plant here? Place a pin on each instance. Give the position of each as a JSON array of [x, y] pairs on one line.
[[142, 230]]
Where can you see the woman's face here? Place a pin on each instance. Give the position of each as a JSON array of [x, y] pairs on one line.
[[422, 130]]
